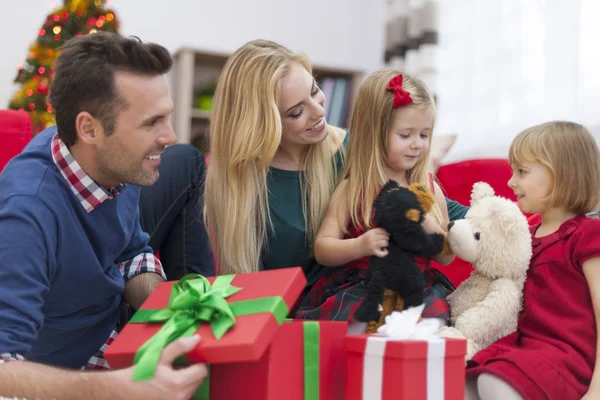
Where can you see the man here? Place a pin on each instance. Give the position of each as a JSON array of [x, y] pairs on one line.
[[71, 246]]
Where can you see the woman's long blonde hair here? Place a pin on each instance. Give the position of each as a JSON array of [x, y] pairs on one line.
[[245, 133], [369, 129]]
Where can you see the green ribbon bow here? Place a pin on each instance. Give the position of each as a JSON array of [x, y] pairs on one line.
[[193, 301]]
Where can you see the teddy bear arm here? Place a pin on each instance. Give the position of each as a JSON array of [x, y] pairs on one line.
[[460, 301], [495, 316], [428, 244]]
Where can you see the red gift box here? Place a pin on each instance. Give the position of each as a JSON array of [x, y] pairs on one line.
[[279, 374], [384, 368], [246, 341], [258, 358]]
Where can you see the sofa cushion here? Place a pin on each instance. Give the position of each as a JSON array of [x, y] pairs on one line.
[[15, 133]]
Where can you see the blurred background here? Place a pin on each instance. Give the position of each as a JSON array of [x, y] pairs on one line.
[[495, 66]]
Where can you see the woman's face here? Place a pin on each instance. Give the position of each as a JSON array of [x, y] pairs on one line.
[[301, 107]]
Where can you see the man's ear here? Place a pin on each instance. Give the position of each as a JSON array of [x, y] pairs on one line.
[[87, 127]]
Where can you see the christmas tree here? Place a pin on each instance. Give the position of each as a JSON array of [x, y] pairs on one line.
[[75, 17]]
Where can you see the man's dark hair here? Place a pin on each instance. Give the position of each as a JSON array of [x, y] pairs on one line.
[[84, 77]]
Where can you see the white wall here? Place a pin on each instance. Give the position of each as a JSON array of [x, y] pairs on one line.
[[336, 33]]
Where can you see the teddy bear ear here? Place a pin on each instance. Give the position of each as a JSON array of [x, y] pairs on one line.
[[480, 191], [391, 184]]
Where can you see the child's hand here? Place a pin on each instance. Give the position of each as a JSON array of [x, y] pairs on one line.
[[374, 242], [430, 225]]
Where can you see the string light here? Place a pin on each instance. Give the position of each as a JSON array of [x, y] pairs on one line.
[[34, 72]]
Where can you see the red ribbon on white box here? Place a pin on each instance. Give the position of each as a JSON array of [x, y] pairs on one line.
[[374, 364]]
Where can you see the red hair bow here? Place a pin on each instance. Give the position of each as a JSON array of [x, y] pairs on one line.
[[401, 96]]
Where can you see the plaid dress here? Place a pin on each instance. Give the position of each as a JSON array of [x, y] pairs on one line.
[[338, 293]]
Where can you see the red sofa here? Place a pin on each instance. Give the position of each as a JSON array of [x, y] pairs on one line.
[[15, 132], [457, 180]]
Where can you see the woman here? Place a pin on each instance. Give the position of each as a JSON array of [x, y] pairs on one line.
[[271, 151], [274, 162]]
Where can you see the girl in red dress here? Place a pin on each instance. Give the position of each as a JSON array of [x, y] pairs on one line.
[[553, 353], [390, 133]]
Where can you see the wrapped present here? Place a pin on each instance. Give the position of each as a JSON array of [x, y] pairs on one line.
[[405, 360], [247, 349], [305, 361]]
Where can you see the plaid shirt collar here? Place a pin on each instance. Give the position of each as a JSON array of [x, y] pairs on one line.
[[89, 193]]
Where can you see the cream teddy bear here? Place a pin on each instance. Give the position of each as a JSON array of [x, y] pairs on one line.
[[494, 237]]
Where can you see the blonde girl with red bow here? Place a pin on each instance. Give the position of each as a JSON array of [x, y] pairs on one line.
[[391, 128]]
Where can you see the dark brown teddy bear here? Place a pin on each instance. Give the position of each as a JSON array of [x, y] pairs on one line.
[[396, 281]]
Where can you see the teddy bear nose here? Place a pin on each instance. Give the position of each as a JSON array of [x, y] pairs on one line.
[[450, 225]]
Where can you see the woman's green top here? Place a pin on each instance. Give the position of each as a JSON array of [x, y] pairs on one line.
[[287, 245]]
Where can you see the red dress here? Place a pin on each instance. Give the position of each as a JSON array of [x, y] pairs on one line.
[[552, 353]]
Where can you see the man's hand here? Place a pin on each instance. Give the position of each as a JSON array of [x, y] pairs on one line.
[[169, 382], [24, 379]]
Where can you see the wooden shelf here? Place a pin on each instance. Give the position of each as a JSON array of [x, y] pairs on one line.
[[193, 69]]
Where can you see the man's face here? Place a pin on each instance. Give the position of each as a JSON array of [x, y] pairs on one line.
[[131, 154]]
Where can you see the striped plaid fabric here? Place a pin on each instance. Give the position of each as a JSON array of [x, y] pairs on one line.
[[89, 193], [337, 295], [97, 361]]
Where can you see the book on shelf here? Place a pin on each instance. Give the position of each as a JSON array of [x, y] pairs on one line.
[[337, 91]]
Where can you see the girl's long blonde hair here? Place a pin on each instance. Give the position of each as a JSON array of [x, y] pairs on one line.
[[369, 137], [245, 133]]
